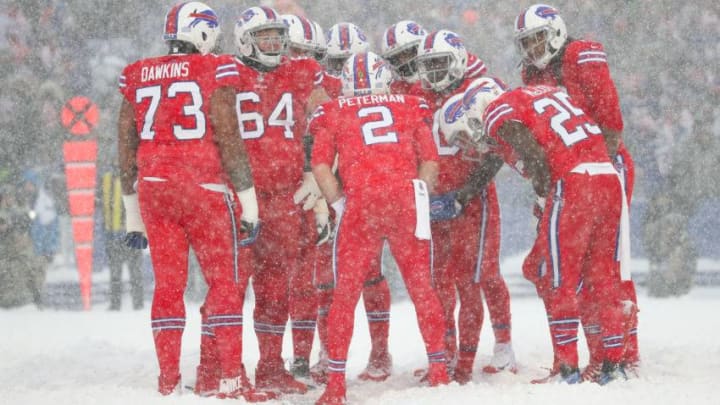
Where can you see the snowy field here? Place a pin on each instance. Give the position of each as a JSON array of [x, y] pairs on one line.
[[98, 357]]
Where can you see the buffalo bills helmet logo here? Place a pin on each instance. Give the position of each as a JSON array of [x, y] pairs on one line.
[[205, 15], [469, 97], [437, 207], [454, 40], [378, 67], [454, 112], [247, 16], [360, 34], [414, 29], [546, 12]]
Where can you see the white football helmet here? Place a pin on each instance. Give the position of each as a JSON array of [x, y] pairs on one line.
[[321, 50], [193, 22], [442, 60], [303, 34], [453, 122], [479, 94], [365, 73], [247, 27], [343, 40], [540, 33], [399, 48]]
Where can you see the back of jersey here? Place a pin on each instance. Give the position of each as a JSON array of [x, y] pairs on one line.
[[565, 132], [379, 139], [171, 98]]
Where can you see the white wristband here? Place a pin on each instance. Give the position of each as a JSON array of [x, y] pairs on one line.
[[133, 219], [248, 202], [339, 207]]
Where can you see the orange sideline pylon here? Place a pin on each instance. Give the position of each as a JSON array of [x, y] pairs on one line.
[[80, 175]]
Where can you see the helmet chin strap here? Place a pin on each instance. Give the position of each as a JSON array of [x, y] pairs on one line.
[[181, 47]]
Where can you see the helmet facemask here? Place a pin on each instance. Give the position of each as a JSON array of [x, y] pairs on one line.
[[269, 44], [334, 64], [535, 47], [436, 71], [403, 63]]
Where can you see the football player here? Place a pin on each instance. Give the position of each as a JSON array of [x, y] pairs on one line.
[[552, 58], [343, 41], [183, 170], [387, 164], [306, 40], [273, 119], [399, 49], [563, 153], [466, 267]]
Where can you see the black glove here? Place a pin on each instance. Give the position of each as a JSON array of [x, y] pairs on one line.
[[445, 206], [136, 240], [325, 233], [252, 231]]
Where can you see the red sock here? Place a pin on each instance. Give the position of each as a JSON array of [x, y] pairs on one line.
[[376, 298]]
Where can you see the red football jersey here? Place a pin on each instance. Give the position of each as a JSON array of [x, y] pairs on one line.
[[567, 135], [398, 86], [586, 76], [171, 97], [380, 140], [273, 120], [332, 85]]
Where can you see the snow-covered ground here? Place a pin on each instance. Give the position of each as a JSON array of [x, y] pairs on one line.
[[98, 357]]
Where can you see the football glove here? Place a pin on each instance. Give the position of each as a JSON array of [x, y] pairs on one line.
[[308, 193], [249, 220], [252, 230], [445, 206], [136, 240], [135, 237], [322, 222]]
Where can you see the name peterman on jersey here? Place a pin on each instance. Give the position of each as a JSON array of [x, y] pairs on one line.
[[371, 99], [165, 71]]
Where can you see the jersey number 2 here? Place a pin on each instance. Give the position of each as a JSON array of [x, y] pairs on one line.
[[377, 131]]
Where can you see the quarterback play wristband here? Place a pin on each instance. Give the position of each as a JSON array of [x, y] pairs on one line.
[[133, 220], [248, 202]]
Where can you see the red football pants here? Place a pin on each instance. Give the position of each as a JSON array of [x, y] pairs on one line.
[[579, 230], [468, 266], [364, 227], [278, 259], [178, 216]]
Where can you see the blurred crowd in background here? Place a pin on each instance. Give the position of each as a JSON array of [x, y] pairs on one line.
[[663, 55]]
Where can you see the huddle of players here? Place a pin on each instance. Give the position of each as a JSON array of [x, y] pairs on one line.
[[424, 131]]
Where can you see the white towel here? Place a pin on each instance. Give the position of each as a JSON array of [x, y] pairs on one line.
[[422, 210]]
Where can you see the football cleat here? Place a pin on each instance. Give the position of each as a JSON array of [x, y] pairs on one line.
[[563, 374], [240, 387], [278, 380], [300, 368], [319, 372], [462, 376], [438, 374], [503, 359], [603, 373], [333, 395], [378, 369], [169, 385], [206, 385]]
